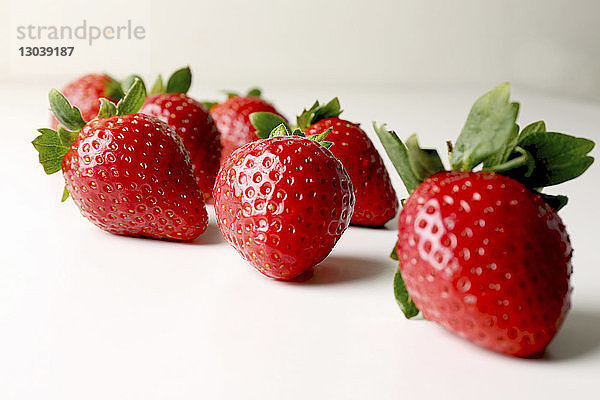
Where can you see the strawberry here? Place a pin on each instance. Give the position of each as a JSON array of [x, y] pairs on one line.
[[485, 254], [191, 121], [232, 119], [283, 202], [376, 200], [84, 93], [128, 173]]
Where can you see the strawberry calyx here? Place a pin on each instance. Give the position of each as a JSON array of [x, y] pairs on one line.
[[128, 82], [283, 130], [52, 145], [492, 140], [265, 122], [253, 92], [318, 112], [113, 89], [179, 82]]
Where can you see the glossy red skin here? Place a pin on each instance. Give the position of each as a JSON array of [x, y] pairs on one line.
[[487, 259], [376, 200], [283, 203], [195, 126], [85, 93], [130, 175], [233, 121]]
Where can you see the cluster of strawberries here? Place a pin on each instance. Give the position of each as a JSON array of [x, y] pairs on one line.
[[482, 253]]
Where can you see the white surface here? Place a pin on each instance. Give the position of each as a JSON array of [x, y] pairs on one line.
[[88, 315], [549, 44]]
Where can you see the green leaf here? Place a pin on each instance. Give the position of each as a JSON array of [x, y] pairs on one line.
[[423, 162], [230, 94], [555, 201], [534, 127], [304, 120], [403, 298], [52, 147], [256, 92], [133, 99], [502, 155], [280, 130], [67, 137], [65, 195], [398, 154], [158, 86], [319, 137], [107, 109], [283, 130], [488, 128], [265, 122], [329, 110], [113, 90], [394, 252], [558, 158], [520, 159], [67, 115], [209, 104], [129, 81], [180, 81], [317, 112]]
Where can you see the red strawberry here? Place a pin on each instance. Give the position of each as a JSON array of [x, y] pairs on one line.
[[486, 258], [84, 93], [192, 122], [283, 202], [232, 119], [129, 174], [376, 201], [483, 254]]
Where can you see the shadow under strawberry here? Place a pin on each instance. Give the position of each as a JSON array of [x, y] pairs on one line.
[[579, 337], [343, 269]]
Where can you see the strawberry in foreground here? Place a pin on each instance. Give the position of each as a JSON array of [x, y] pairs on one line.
[[128, 173], [191, 121], [283, 202], [85, 93], [232, 119], [376, 200], [485, 254]]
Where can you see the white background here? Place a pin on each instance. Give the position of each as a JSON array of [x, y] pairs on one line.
[[549, 45], [88, 315]]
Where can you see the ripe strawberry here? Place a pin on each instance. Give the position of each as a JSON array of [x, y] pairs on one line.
[[486, 258], [232, 119], [283, 202], [485, 254], [192, 122], [376, 201], [84, 93], [128, 174]]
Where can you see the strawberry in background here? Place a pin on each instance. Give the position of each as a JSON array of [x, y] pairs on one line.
[[85, 93], [191, 121], [232, 119], [128, 173], [484, 253], [376, 200]]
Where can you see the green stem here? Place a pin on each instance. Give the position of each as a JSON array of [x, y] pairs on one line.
[[511, 164]]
